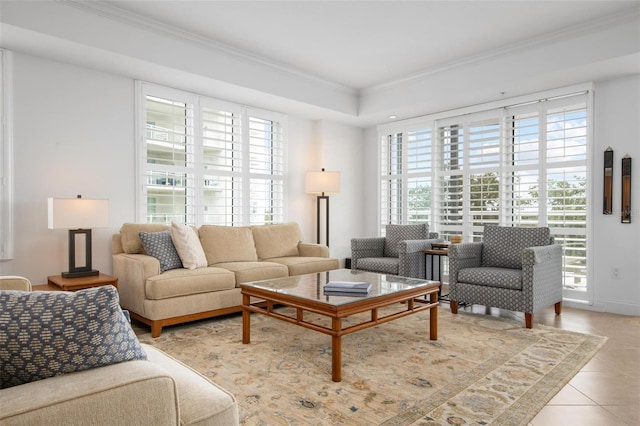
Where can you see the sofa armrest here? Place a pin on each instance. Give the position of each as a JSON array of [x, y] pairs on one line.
[[132, 271], [201, 401], [542, 274], [411, 257], [542, 254], [465, 255], [415, 246], [313, 250], [133, 392], [366, 247]]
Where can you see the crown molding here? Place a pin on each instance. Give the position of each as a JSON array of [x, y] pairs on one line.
[[106, 10], [490, 55]]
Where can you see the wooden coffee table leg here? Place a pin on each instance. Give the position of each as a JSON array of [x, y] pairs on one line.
[[433, 317], [336, 350], [246, 320]]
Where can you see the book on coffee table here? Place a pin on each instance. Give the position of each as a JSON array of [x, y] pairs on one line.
[[356, 287]]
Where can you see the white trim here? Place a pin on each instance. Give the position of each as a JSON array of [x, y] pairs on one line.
[[611, 21], [196, 103], [541, 102], [162, 28], [591, 198], [6, 147], [471, 109]]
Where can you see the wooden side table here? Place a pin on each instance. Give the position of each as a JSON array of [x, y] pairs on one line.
[[58, 283]]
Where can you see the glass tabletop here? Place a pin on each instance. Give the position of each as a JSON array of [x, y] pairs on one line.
[[311, 286]]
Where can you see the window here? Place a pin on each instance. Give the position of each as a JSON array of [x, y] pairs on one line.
[[6, 161], [523, 165], [206, 161]]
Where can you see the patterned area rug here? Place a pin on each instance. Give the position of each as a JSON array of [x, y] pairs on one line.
[[481, 370]]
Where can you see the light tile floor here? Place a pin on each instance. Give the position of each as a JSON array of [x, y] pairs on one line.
[[606, 391]]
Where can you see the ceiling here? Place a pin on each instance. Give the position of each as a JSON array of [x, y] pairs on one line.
[[355, 62], [359, 44]]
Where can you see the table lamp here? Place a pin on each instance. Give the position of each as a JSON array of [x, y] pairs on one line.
[[322, 183], [78, 215]]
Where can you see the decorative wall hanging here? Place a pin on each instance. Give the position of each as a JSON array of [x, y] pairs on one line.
[[626, 189], [608, 182]]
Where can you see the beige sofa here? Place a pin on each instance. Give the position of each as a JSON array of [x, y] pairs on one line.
[[161, 391], [234, 255], [72, 358]]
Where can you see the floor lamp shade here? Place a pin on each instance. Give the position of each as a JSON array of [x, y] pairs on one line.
[[79, 216], [322, 183]]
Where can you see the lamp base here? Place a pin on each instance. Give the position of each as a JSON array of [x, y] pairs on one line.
[[78, 274]]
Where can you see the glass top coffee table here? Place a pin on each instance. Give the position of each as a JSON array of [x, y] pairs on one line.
[[306, 293]]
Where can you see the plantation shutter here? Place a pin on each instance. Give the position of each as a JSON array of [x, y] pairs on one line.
[[222, 163], [169, 172], [266, 167], [484, 171], [207, 161], [419, 162], [391, 185], [517, 165], [449, 210]]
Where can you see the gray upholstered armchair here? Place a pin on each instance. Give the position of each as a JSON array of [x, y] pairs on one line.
[[400, 252], [519, 269]]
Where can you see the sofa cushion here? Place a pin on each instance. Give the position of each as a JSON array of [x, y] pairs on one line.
[[188, 246], [255, 271], [183, 282], [396, 233], [502, 246], [492, 277], [227, 244], [45, 334], [160, 246], [307, 265], [130, 238], [277, 240]]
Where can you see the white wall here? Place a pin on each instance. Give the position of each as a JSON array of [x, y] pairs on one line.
[[617, 108], [74, 134], [339, 148]]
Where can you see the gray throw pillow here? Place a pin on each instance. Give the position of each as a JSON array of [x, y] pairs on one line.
[[160, 245], [45, 334]]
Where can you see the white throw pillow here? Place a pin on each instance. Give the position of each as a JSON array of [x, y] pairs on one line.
[[188, 246]]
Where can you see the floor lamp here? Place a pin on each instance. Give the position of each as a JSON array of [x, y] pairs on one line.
[[78, 215], [322, 183]]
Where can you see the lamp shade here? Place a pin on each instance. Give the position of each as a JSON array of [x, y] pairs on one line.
[[78, 213], [322, 182]]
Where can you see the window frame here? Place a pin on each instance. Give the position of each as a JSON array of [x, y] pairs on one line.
[[239, 172], [7, 150], [500, 110]]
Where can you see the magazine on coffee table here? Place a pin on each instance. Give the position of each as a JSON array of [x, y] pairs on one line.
[[348, 287]]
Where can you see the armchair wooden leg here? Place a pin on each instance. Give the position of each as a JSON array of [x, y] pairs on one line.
[[528, 320], [558, 307], [454, 306]]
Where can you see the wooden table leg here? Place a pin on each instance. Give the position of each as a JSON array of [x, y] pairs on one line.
[[336, 350], [433, 317], [246, 320]]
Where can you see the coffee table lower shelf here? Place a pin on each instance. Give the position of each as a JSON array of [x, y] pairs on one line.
[[409, 302]]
